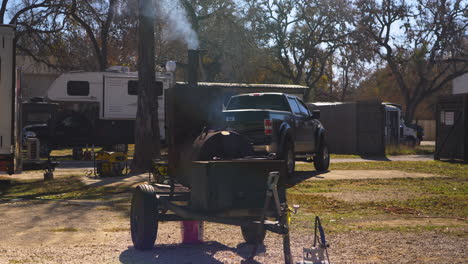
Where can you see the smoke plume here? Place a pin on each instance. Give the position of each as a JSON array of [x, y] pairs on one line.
[[173, 14]]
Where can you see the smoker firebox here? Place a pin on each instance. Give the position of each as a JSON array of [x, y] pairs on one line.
[[230, 184]]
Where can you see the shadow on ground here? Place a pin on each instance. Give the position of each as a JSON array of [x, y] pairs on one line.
[[300, 176], [193, 254]]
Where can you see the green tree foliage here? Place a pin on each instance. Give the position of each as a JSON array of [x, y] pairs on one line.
[[301, 35], [424, 44]]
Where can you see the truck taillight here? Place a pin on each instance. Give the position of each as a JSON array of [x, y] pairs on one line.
[[268, 125]]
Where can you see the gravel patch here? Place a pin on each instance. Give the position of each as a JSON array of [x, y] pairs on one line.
[[102, 236]]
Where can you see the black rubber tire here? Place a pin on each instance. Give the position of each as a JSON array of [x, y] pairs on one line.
[[411, 142], [144, 217], [44, 148], [288, 156], [77, 153], [322, 158], [253, 234]]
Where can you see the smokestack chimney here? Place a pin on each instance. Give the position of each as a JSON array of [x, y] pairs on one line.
[[192, 69]]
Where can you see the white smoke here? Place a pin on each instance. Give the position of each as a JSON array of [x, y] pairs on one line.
[[173, 13]]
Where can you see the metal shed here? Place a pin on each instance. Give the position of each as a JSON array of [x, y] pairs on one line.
[[452, 128], [354, 127]]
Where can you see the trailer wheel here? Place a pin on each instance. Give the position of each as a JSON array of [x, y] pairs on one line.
[[77, 153], [144, 217], [253, 233], [322, 159]]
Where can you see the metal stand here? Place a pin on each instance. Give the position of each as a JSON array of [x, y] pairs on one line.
[[318, 254], [283, 217]]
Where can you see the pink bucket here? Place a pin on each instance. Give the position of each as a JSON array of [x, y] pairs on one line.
[[192, 232]]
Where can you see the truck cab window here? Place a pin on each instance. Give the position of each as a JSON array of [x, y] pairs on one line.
[[267, 101], [303, 108], [78, 88], [133, 87], [294, 106]]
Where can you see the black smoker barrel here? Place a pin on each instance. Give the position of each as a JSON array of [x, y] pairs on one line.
[[189, 111], [220, 145]]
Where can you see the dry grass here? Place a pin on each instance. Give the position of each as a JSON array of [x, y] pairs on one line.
[[441, 198]]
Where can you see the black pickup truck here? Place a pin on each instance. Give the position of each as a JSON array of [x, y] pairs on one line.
[[279, 123]]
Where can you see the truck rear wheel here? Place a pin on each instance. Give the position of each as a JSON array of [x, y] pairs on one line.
[[253, 233], [322, 159], [288, 156], [144, 217]]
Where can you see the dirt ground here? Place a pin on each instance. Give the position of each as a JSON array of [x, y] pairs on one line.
[[310, 175], [88, 231]]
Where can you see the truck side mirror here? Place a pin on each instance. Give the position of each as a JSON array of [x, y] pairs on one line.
[[316, 114]]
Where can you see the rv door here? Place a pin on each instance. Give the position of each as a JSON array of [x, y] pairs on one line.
[[120, 100]]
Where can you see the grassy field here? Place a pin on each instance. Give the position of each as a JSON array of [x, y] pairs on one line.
[[395, 151], [406, 150], [404, 204], [62, 154], [60, 188]]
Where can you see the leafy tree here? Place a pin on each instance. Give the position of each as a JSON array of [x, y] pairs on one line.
[[423, 44], [86, 35], [95, 18], [352, 66], [302, 35], [33, 18]]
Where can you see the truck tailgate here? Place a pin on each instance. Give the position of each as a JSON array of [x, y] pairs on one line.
[[250, 123]]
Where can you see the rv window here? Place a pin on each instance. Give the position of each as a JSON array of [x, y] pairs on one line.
[[78, 88], [132, 87]]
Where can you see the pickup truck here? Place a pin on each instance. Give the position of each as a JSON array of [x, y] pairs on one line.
[[279, 123]]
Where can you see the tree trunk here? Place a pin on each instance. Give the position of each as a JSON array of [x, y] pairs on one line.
[[410, 110], [147, 139]]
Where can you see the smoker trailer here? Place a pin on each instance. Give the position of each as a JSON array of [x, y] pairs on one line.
[[213, 175]]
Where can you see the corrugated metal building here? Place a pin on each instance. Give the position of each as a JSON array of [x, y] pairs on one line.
[[353, 128], [452, 128]]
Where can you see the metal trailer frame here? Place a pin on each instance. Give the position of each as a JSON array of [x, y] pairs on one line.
[[170, 201]]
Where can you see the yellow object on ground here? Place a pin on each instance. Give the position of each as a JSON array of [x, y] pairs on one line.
[[111, 163]]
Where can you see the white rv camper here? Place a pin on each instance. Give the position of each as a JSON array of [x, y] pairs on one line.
[[103, 104], [10, 147]]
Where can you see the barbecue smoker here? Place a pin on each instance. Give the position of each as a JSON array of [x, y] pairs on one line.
[[213, 175]]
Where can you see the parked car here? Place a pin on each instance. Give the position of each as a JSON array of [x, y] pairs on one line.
[[279, 123]]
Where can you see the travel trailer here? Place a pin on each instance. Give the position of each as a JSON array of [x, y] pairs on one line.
[[100, 107], [10, 138]]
